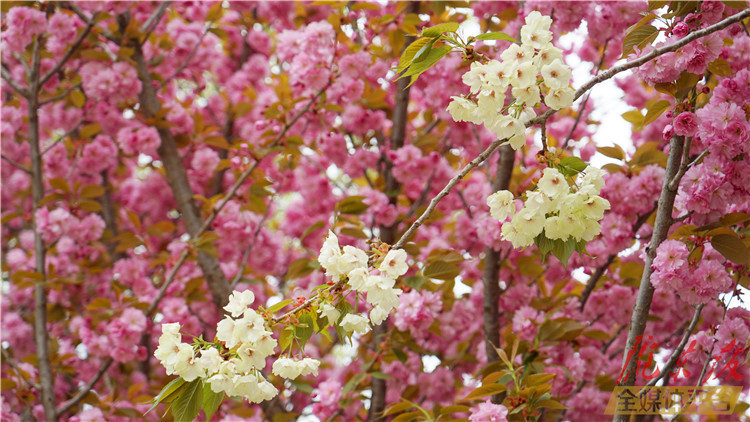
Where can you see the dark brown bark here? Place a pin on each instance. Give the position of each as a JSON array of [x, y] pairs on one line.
[[40, 292], [492, 260], [389, 234], [178, 182]]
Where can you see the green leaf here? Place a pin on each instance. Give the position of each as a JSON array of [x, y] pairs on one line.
[[397, 408], [305, 329], [644, 20], [564, 249], [682, 8], [92, 191], [279, 306], [633, 116], [655, 110], [439, 29], [352, 205], [168, 390], [736, 4], [353, 382], [485, 390], [408, 416], [732, 248], [60, 184], [77, 98], [550, 404], [657, 4], [573, 163], [285, 338], [615, 152], [409, 52], [646, 156], [720, 67], [211, 401], [441, 270], [417, 69], [685, 84], [188, 404], [299, 268], [544, 244], [537, 379], [448, 410], [496, 36], [381, 376], [415, 281], [424, 51], [639, 37], [90, 130]]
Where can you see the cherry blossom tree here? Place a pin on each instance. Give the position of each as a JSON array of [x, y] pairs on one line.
[[369, 211]]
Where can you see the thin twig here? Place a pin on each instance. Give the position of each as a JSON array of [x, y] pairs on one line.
[[60, 96], [453, 182], [673, 184], [247, 172], [307, 302], [13, 83], [680, 347], [89, 20], [582, 107], [85, 390], [25, 65], [61, 138], [656, 52], [12, 363], [246, 255], [185, 63], [422, 196], [15, 164], [154, 19], [69, 52], [241, 270], [168, 281]]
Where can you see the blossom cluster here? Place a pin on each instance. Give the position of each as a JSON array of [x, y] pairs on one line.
[[694, 283], [234, 366], [555, 209], [518, 70], [353, 263]]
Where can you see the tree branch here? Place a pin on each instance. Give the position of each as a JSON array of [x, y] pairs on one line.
[[90, 21], [154, 19], [59, 96], [178, 182], [46, 379], [446, 190], [65, 135], [72, 49], [646, 289], [680, 347], [13, 84], [388, 234], [582, 107], [12, 363], [85, 390], [492, 261], [659, 51], [249, 171], [15, 164], [185, 63]]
